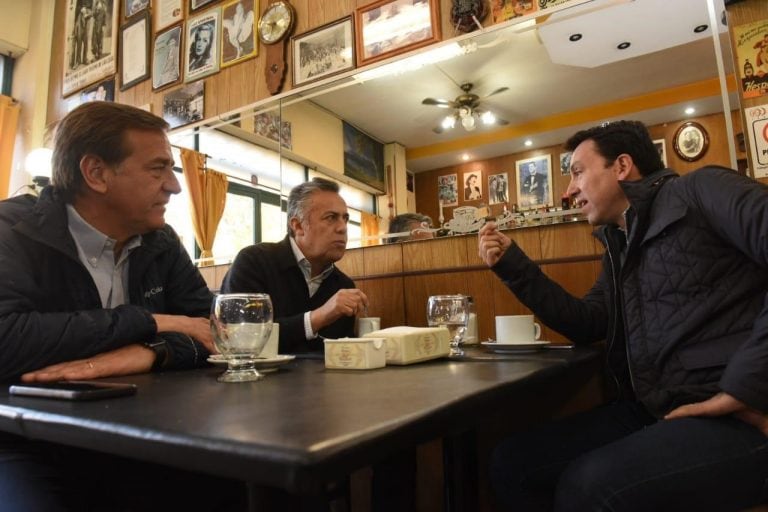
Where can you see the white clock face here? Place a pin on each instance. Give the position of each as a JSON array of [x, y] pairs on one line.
[[275, 22]]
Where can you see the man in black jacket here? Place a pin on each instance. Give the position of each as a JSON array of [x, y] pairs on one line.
[[681, 304], [96, 285]]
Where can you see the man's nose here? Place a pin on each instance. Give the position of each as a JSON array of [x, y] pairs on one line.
[[171, 183]]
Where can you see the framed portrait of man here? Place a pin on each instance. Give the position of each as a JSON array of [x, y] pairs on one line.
[[202, 52], [90, 43], [534, 182]]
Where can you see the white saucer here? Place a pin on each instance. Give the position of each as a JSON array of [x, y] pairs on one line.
[[528, 346], [264, 365]]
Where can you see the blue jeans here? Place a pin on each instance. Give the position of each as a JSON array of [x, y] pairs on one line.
[[619, 458]]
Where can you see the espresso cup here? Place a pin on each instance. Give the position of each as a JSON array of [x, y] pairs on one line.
[[270, 348], [366, 324], [517, 329]]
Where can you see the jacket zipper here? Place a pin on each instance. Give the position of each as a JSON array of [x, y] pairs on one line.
[[615, 322]]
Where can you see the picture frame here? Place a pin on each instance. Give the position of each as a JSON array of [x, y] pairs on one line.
[[238, 31], [90, 43], [661, 147], [166, 57], [133, 7], [134, 51], [565, 163], [408, 24], [534, 182], [202, 45], [103, 91], [447, 190], [270, 126], [498, 188], [167, 13], [325, 51], [690, 141], [196, 5], [184, 105], [363, 157], [473, 186]]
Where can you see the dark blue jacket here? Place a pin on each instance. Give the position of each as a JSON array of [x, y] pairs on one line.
[[50, 310]]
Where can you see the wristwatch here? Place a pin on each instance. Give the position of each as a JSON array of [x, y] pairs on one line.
[[160, 348]]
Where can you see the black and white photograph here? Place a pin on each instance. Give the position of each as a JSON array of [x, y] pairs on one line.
[[565, 163], [498, 188], [534, 182], [238, 31], [134, 7], [195, 5], [167, 13], [184, 105], [661, 147], [691, 141], [323, 52], [473, 186], [166, 63], [202, 45], [90, 45], [134, 51], [103, 91]]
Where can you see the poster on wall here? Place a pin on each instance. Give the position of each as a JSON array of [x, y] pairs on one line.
[[534, 182], [447, 191], [757, 127], [202, 45], [473, 186], [507, 9], [752, 55], [498, 184], [363, 157], [90, 43], [167, 12]]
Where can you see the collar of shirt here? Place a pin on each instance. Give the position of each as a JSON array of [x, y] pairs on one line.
[[313, 283]]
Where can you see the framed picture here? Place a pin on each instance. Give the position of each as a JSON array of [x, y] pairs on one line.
[[270, 126], [323, 52], [134, 51], [195, 5], [90, 43], [565, 163], [473, 186], [363, 157], [534, 182], [166, 61], [389, 27], [238, 31], [134, 7], [184, 105], [498, 185], [202, 45], [661, 147], [447, 190], [103, 91], [691, 141], [508, 9], [167, 12]]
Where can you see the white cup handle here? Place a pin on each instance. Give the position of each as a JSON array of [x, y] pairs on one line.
[[536, 330]]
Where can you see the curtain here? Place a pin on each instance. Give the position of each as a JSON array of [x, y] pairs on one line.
[[207, 195], [369, 225], [9, 120]]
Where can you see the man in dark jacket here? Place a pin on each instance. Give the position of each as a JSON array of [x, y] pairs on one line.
[[681, 304], [95, 285]]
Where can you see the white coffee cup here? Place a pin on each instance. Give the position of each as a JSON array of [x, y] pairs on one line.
[[270, 349], [366, 324], [517, 329]]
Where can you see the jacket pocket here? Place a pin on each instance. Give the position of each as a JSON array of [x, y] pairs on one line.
[[712, 352]]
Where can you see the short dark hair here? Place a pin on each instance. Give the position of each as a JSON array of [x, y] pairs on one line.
[[616, 138], [299, 196], [95, 128], [403, 222]]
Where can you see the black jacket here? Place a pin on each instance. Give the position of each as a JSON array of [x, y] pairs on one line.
[[272, 268], [685, 314], [50, 309]]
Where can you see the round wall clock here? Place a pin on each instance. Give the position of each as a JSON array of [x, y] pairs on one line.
[[276, 22]]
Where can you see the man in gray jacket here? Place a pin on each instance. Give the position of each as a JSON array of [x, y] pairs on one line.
[[681, 304]]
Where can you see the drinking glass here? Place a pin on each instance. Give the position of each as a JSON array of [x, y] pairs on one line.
[[241, 323], [451, 311]]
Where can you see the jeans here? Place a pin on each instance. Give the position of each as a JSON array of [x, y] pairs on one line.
[[619, 458]]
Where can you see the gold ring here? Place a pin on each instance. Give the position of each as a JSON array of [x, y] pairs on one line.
[[90, 365]]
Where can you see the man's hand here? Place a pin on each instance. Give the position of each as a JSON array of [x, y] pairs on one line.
[[197, 328], [722, 404], [346, 302], [492, 244], [122, 361]]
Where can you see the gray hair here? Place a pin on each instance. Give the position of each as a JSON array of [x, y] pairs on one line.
[[300, 195], [403, 222]]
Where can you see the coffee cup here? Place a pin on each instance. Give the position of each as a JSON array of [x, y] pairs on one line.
[[517, 329], [366, 324], [270, 348]]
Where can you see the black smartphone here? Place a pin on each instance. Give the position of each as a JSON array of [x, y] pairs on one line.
[[73, 390]]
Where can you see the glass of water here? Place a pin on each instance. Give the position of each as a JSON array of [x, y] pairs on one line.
[[241, 323], [451, 311]]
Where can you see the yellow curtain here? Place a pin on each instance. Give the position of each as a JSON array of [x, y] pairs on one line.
[[208, 194], [9, 120], [369, 225]]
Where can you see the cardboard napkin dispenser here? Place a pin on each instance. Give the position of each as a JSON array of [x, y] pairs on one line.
[[408, 345], [355, 353]]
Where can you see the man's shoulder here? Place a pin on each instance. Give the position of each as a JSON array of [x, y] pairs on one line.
[[16, 208]]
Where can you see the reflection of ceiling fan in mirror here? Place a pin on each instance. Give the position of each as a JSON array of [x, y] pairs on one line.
[[467, 110]]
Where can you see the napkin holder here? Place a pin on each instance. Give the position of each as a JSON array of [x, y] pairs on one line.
[[355, 353], [408, 345]]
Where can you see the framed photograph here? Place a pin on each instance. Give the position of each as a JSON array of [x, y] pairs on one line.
[[498, 185], [270, 126], [447, 190], [202, 45], [473, 186], [238, 31], [134, 51], [363, 157], [389, 27], [166, 61], [323, 52], [195, 5], [167, 12], [134, 7], [691, 141], [565, 163], [661, 147], [90, 43], [534, 182], [103, 91], [184, 105]]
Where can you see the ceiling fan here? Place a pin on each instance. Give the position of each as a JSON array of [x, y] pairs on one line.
[[467, 109]]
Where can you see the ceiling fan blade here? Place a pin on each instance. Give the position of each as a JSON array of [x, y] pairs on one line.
[[438, 103], [501, 122], [438, 129], [497, 91]]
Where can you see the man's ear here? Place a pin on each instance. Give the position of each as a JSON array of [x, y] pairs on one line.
[[626, 168], [94, 172], [296, 226]]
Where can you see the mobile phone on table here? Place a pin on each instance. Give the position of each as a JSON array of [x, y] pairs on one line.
[[73, 390]]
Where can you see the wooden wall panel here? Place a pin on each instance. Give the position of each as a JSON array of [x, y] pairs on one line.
[[352, 263], [528, 239], [383, 259], [419, 288], [568, 240], [449, 252], [385, 299], [576, 278]]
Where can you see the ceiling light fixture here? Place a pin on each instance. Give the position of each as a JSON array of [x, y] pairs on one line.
[[528, 143], [574, 37], [700, 28], [624, 45], [690, 110], [465, 157], [468, 118]]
